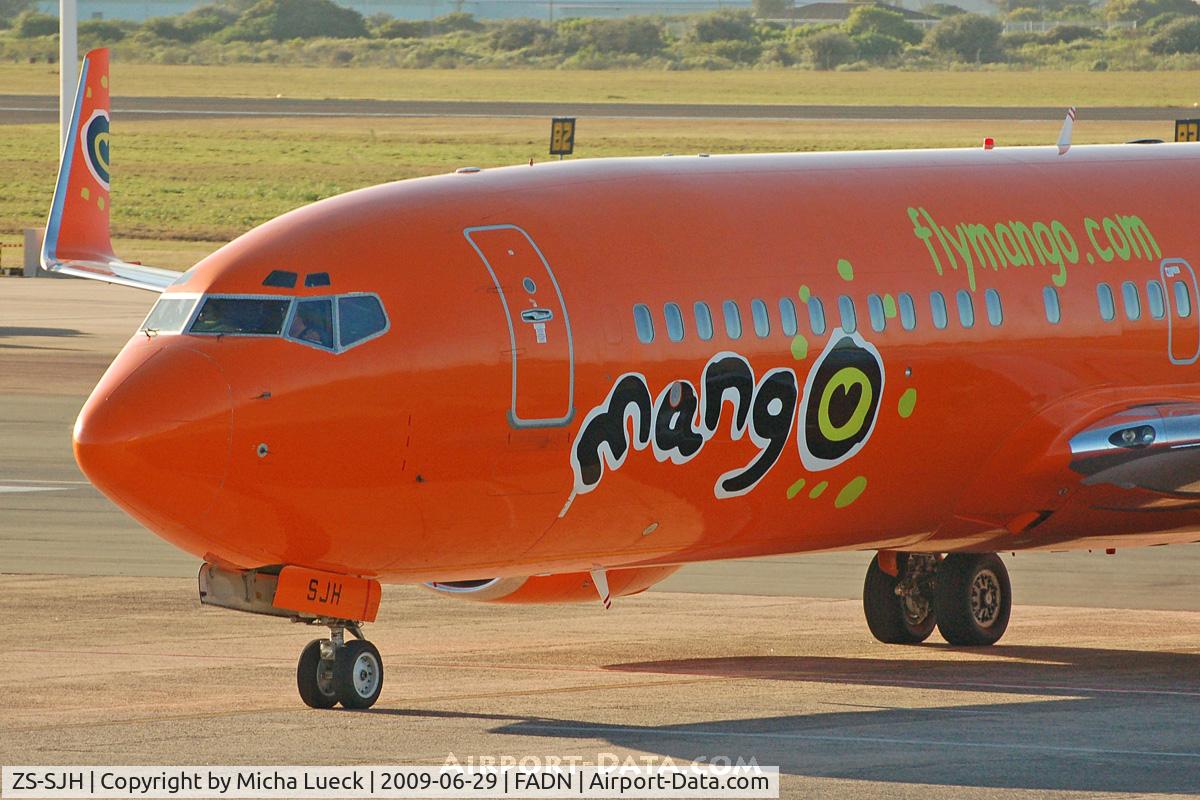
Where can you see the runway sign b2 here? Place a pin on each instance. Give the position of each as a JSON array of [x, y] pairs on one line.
[[562, 136]]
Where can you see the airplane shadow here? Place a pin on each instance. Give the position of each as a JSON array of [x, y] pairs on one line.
[[13, 332], [1095, 720]]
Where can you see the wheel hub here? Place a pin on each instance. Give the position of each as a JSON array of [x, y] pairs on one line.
[[985, 598], [365, 674]]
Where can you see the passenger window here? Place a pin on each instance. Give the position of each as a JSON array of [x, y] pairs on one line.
[[1131, 300], [937, 310], [966, 308], [846, 310], [816, 316], [875, 312], [908, 311], [312, 322], [787, 317], [762, 321], [674, 322], [644, 323], [1108, 308], [1053, 310], [1183, 300], [704, 326], [1155, 300], [733, 319], [242, 315], [360, 317], [995, 311]]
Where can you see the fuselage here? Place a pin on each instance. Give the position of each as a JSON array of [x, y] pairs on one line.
[[478, 436]]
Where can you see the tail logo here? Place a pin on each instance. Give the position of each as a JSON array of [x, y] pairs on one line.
[[94, 141]]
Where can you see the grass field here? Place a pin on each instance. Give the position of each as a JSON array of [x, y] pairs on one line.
[[873, 87], [211, 180]]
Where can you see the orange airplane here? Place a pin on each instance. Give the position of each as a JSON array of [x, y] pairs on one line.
[[560, 382]]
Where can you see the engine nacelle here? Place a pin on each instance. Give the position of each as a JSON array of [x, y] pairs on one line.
[[567, 587]]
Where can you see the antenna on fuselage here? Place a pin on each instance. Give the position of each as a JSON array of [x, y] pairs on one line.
[[1064, 135]]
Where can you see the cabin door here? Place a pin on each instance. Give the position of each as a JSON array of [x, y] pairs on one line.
[[539, 330], [1183, 315]]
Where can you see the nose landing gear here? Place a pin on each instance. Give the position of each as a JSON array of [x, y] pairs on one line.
[[966, 595], [332, 671]]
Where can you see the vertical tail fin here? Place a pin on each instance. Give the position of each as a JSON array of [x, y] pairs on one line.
[[77, 232]]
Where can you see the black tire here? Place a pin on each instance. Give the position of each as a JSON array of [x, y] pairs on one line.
[[358, 674], [973, 599], [314, 680], [891, 618]]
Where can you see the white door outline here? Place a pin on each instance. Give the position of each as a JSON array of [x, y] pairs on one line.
[[514, 419], [1170, 268]]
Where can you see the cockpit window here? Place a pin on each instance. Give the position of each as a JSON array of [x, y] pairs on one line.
[[313, 322], [169, 314], [360, 316], [241, 315], [334, 322]]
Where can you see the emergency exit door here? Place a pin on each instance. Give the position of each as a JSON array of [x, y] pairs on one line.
[[539, 329]]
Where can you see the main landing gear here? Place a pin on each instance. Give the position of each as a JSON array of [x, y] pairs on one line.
[[333, 671], [967, 596]]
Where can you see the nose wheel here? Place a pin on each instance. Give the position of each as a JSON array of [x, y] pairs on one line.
[[332, 671]]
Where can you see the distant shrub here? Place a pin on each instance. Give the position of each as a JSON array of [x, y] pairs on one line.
[[457, 21], [634, 35], [967, 37], [877, 46], [1180, 36], [29, 24], [193, 26], [9, 9], [1144, 10], [1070, 33], [728, 25], [872, 19], [103, 31], [943, 10], [519, 34], [1156, 24], [830, 49], [283, 20], [1099, 65], [403, 29], [1020, 39]]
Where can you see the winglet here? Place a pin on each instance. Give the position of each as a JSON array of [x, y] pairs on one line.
[[1064, 135], [77, 232]]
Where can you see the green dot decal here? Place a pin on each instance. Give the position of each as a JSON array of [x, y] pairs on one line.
[[799, 347], [795, 488], [889, 306], [850, 492], [1091, 258], [908, 401], [818, 490], [804, 294], [845, 269]]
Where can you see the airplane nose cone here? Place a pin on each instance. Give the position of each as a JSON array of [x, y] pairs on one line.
[[157, 442]]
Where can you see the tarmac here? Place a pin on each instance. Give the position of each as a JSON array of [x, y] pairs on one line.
[[21, 109], [110, 659]]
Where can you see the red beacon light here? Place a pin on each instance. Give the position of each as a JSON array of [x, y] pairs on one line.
[[989, 143]]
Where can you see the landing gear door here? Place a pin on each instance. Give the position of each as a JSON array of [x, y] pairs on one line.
[[539, 330], [1183, 316]]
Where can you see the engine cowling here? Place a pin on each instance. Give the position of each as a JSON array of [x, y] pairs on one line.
[[567, 587]]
